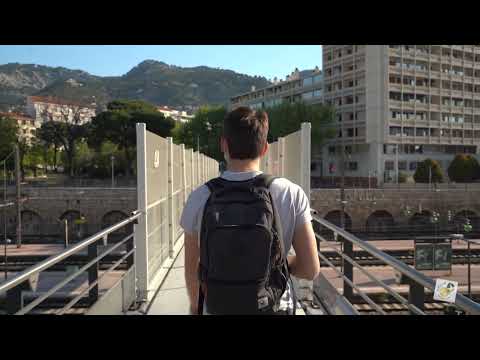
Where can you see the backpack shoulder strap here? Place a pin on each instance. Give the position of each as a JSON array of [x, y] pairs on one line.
[[215, 185], [265, 180]]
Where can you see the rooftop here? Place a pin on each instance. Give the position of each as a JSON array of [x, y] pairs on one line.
[[58, 101]]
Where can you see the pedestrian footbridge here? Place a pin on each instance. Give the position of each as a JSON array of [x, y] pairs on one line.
[[147, 277]]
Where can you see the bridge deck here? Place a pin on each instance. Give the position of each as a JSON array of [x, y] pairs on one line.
[[172, 298]]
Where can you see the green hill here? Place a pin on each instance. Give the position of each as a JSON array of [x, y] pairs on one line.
[[152, 81]]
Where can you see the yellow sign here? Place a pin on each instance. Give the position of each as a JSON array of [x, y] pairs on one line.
[[446, 291]]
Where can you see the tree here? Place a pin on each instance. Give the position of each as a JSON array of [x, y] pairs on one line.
[[422, 174], [32, 155], [67, 130], [46, 134], [8, 138], [287, 118], [464, 168], [118, 125], [204, 130]]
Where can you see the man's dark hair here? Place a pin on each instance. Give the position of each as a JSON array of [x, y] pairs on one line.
[[245, 131]]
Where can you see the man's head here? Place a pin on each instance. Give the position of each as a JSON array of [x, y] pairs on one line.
[[245, 134]]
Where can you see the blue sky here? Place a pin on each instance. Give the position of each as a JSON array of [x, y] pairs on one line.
[[114, 60]]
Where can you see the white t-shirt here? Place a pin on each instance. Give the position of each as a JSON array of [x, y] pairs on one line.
[[289, 199]]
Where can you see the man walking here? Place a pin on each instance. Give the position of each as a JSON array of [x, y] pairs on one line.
[[240, 227]]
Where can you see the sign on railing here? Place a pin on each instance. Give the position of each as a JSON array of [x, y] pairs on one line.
[[167, 174]]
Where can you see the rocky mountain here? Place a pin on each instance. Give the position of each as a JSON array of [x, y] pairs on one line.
[[152, 81]]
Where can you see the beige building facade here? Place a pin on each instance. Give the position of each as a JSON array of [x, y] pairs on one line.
[[299, 85], [400, 104], [26, 125], [45, 108]]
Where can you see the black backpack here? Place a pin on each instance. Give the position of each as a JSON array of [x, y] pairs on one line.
[[243, 266]]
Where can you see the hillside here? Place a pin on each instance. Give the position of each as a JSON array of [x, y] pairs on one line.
[[152, 81]]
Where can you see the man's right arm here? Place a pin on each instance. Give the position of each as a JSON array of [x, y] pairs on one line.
[[305, 263]]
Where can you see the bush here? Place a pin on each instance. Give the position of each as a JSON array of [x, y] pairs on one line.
[[464, 168], [422, 174], [402, 177]]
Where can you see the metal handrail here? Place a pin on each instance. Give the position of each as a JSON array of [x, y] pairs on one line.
[[49, 262], [69, 278], [388, 288], [462, 301], [360, 293], [4, 205]]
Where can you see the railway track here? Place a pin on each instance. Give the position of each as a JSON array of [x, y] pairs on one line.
[[459, 257], [400, 309]]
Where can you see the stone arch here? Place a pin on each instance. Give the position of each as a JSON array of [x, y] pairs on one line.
[[31, 222], [460, 218], [334, 218], [114, 217], [380, 221], [76, 231], [420, 222], [71, 215]]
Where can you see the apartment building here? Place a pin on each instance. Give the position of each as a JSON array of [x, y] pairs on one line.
[[26, 125], [299, 85], [400, 104], [44, 108], [306, 86]]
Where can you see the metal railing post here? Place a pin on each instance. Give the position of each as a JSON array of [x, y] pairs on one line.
[[184, 175], [306, 157], [347, 269], [171, 230], [93, 272], [141, 244], [416, 295], [18, 196], [192, 174]]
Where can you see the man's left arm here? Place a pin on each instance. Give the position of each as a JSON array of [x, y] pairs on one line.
[[192, 259]]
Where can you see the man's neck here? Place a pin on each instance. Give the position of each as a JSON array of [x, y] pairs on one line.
[[243, 165]]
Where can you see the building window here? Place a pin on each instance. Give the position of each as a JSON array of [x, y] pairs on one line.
[[353, 166], [307, 81], [389, 165], [331, 150], [413, 166], [402, 165]]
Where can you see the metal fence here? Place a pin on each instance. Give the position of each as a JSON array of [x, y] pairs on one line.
[[330, 300], [290, 157], [167, 174], [15, 287]]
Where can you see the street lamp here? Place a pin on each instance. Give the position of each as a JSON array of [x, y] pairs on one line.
[[112, 158]]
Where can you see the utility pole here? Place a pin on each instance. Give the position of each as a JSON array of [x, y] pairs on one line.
[[17, 185]]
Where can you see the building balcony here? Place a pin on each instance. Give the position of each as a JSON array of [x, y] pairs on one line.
[[457, 93], [395, 103], [422, 90], [394, 52], [395, 70], [395, 87], [421, 105], [457, 62]]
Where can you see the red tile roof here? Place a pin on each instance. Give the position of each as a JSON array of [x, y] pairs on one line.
[[17, 116], [57, 101]]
